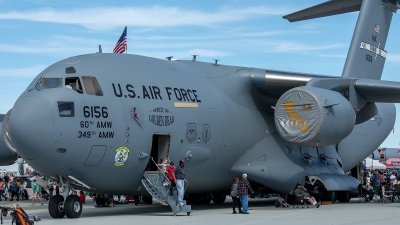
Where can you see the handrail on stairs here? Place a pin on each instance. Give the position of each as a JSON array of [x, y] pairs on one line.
[[166, 179]]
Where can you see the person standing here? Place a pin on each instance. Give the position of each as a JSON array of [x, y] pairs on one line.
[[2, 190], [376, 181], [170, 170], [179, 179], [82, 197], [57, 190], [14, 190], [243, 190], [51, 190], [35, 192], [393, 178], [235, 196], [163, 168], [6, 180]]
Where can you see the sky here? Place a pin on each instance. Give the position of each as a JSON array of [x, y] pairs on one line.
[[34, 34]]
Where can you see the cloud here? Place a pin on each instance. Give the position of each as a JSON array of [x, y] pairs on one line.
[[56, 44], [300, 47], [152, 16], [334, 56], [393, 58], [22, 72]]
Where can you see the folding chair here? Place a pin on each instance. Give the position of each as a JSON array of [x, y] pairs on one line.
[[298, 201], [361, 196], [386, 195]]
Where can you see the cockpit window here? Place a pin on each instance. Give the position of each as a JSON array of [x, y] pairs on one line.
[[47, 83], [66, 109], [92, 87], [74, 83]]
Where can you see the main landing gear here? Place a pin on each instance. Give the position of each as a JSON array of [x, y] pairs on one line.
[[66, 205]]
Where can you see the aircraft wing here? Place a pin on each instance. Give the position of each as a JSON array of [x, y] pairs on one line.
[[276, 83], [330, 8], [378, 90]]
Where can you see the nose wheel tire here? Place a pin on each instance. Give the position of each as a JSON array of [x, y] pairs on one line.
[[73, 206], [56, 207]]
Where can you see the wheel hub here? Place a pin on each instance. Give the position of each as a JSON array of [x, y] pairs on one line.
[[77, 206], [61, 207]]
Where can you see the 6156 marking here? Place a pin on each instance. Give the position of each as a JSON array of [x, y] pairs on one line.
[[95, 111]]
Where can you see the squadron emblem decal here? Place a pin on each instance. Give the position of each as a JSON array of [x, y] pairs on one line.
[[191, 133], [121, 156], [378, 119], [206, 133]]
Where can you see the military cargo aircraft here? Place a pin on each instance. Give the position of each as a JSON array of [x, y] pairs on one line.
[[386, 153], [125, 112]]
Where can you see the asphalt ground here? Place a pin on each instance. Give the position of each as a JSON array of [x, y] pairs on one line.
[[262, 211]]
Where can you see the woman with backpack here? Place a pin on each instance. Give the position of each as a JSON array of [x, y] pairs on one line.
[[235, 196], [35, 192]]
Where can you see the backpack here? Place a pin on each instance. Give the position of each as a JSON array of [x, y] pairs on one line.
[[35, 187]]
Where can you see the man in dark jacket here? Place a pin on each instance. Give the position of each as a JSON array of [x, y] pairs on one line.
[[243, 190], [376, 181], [179, 179]]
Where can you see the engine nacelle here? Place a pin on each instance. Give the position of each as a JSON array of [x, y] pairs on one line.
[[310, 116]]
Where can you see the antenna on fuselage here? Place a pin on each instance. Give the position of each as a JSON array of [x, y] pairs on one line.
[[100, 50], [194, 57], [216, 62]]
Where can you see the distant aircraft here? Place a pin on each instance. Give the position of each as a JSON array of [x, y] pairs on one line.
[[386, 153], [124, 111]]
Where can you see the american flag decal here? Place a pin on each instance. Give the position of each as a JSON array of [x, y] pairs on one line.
[[120, 47], [377, 28]]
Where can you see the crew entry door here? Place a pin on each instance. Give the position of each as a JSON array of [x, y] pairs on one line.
[[159, 149]]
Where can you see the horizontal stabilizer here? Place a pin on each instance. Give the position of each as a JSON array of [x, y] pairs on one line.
[[378, 90], [330, 8]]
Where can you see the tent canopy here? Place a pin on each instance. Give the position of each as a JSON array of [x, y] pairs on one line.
[[393, 163], [375, 164]]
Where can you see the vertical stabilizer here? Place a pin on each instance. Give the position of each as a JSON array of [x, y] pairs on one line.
[[366, 57]]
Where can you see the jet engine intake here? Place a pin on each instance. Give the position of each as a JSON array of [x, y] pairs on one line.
[[6, 136], [314, 117]]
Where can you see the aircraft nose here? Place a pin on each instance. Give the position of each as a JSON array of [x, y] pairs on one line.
[[31, 126]]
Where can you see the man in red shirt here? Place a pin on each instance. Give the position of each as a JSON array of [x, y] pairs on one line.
[[170, 170]]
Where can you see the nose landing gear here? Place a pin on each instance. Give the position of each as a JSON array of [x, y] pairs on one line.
[[69, 205], [56, 207], [73, 206]]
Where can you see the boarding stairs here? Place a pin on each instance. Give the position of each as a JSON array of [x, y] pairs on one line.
[[158, 185]]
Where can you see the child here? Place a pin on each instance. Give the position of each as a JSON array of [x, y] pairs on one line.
[[82, 197], [163, 168], [170, 169]]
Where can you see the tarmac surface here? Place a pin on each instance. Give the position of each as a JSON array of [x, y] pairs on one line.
[[262, 211]]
